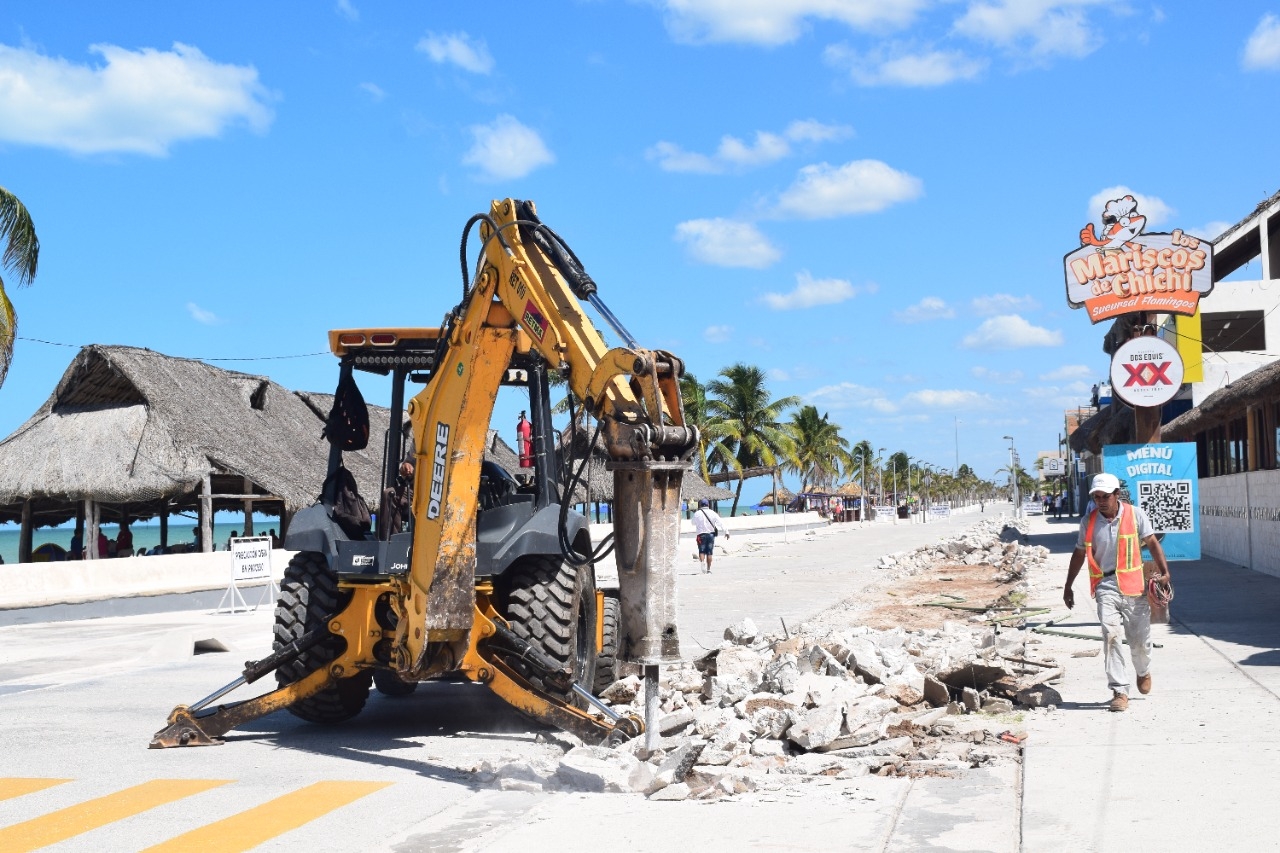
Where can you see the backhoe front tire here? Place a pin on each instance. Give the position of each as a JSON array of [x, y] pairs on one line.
[[309, 597], [552, 605]]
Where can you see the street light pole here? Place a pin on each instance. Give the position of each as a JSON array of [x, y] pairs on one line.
[[880, 470], [1013, 479], [894, 461], [957, 417]]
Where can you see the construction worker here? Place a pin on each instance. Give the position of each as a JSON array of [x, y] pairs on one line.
[[1109, 542]]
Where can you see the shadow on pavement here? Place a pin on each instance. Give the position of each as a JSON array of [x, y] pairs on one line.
[[1212, 598], [435, 710]]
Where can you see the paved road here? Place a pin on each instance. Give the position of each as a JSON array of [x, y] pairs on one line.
[[80, 699]]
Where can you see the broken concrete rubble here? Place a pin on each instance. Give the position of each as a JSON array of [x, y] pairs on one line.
[[843, 700]]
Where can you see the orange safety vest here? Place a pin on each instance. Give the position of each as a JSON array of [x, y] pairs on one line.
[[1128, 554]]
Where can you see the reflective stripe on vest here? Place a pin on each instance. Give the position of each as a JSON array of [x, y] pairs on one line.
[[1128, 553]]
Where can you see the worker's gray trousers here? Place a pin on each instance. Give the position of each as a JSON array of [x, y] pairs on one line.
[[1123, 617]]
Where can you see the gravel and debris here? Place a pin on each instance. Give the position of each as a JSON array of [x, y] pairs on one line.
[[834, 697]]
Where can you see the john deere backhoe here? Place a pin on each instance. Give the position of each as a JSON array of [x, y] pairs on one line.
[[494, 577]]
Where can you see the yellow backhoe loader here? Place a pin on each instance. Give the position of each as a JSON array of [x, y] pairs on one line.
[[490, 575]]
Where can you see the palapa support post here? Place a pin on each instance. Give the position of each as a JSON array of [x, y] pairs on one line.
[[91, 530], [24, 537], [206, 514], [248, 509], [164, 526]]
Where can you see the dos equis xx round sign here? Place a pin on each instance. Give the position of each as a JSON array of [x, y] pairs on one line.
[[1146, 371]]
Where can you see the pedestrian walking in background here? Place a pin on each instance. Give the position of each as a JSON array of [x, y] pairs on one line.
[[1110, 541], [707, 524]]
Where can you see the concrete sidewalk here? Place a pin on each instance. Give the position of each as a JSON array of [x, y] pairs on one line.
[[1186, 767]]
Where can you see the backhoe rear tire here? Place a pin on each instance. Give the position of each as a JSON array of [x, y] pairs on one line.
[[607, 660], [309, 597], [388, 683], [552, 605]]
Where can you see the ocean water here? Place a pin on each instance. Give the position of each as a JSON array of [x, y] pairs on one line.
[[144, 535], [147, 536]]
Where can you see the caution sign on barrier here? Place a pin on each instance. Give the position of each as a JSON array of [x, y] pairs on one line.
[[250, 562]]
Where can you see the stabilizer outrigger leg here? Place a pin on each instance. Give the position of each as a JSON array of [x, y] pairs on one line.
[[188, 727], [519, 693]]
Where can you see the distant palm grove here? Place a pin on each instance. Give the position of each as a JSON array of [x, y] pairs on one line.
[[746, 433]]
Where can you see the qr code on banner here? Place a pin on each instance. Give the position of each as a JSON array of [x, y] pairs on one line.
[[1168, 504]]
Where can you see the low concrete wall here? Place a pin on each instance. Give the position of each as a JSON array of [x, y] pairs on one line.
[[1240, 519], [743, 525], [77, 581]]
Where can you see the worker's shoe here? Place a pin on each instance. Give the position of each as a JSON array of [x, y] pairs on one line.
[[1144, 684], [1119, 702]]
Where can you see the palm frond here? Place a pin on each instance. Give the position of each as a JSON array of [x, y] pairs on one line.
[[22, 247]]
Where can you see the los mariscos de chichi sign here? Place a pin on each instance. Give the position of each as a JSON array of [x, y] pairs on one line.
[[1123, 269]]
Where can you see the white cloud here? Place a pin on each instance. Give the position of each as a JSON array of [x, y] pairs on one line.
[[899, 65], [929, 308], [346, 10], [1036, 28], [1007, 377], [138, 101], [776, 22], [735, 155], [1002, 303], [1068, 372], [717, 334], [1210, 230], [457, 49], [200, 315], [1009, 331], [810, 292], [1262, 50], [1152, 207], [726, 243], [732, 155], [903, 378], [812, 130], [950, 399], [823, 191], [506, 149], [777, 374], [847, 395], [373, 90]]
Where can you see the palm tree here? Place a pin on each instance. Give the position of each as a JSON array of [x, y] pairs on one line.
[[753, 432], [21, 254], [711, 432], [821, 453]]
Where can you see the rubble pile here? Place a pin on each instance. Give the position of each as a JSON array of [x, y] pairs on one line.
[[764, 711], [995, 542]]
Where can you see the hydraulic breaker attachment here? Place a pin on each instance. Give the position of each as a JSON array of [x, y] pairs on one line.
[[188, 727]]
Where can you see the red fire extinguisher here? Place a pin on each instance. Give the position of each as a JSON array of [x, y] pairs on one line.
[[524, 442]]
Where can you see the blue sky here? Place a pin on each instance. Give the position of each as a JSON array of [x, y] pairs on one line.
[[869, 200]]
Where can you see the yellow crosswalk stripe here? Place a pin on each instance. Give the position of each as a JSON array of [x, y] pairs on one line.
[[74, 820], [10, 788], [250, 828]]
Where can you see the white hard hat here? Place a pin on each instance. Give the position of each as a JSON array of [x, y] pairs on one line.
[[1105, 483]]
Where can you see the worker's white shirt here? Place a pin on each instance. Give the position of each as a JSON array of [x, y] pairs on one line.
[[706, 521]]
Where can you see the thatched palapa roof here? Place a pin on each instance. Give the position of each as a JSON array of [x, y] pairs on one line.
[[129, 426], [783, 494], [1226, 404]]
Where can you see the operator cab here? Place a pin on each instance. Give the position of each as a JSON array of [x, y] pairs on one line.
[[509, 497]]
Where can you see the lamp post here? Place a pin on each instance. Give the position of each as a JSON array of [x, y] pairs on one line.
[[880, 470], [1013, 479], [893, 460]]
